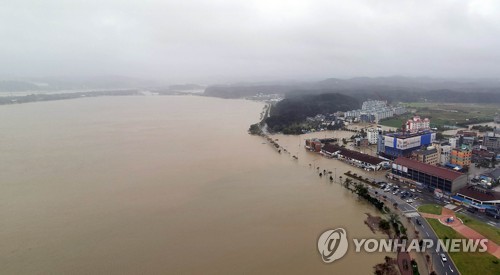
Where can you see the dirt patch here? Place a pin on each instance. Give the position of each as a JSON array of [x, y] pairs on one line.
[[373, 222], [386, 268]]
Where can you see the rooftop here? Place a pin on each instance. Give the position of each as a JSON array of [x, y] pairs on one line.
[[404, 135], [428, 168], [479, 193], [494, 173], [353, 154], [425, 152]]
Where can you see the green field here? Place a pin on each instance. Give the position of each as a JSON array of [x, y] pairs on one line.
[[482, 228], [430, 208], [442, 114], [466, 262]]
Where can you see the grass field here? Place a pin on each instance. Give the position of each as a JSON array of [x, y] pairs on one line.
[[430, 208], [482, 228], [442, 114], [467, 262]]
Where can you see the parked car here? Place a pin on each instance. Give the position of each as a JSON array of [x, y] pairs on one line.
[[409, 201], [412, 190]]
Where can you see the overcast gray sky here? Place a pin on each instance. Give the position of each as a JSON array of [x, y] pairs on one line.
[[217, 41]]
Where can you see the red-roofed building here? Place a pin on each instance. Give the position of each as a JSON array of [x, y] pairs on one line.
[[428, 176]]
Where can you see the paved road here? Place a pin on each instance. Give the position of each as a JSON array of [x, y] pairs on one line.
[[425, 229], [439, 266]]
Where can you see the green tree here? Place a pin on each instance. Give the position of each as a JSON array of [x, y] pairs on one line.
[[361, 190], [384, 225]]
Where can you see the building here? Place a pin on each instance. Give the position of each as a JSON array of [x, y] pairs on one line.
[[492, 177], [393, 145], [482, 155], [461, 157], [353, 157], [453, 142], [466, 133], [428, 155], [479, 198], [428, 176], [373, 104], [313, 145], [374, 111], [372, 136], [416, 124], [492, 141], [443, 151]]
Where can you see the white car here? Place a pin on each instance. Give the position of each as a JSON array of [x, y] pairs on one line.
[[443, 258], [412, 190], [409, 201]]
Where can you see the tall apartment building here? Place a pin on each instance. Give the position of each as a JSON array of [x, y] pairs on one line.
[[373, 104], [372, 136], [374, 111]]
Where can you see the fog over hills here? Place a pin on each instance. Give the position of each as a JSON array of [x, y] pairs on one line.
[[388, 88]]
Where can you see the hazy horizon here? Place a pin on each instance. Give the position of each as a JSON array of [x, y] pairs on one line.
[[242, 41]]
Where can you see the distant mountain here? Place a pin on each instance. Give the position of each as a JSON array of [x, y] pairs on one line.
[[397, 88], [185, 87], [16, 86], [73, 83]]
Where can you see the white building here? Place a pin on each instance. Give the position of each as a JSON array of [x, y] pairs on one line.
[[453, 142], [444, 152], [372, 136], [374, 104], [374, 111], [416, 124]]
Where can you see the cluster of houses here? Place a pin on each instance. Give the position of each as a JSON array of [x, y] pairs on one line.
[[415, 156], [440, 166]]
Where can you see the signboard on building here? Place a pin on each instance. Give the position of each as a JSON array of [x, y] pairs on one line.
[[407, 143], [389, 141]]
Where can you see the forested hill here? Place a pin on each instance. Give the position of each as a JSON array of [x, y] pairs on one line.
[[392, 89], [295, 109]]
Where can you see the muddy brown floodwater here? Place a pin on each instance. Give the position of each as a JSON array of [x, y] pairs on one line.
[[164, 185]]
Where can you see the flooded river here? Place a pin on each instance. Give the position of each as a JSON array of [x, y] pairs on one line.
[[164, 185]]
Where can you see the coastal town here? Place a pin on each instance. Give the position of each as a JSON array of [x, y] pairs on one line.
[[409, 170]]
